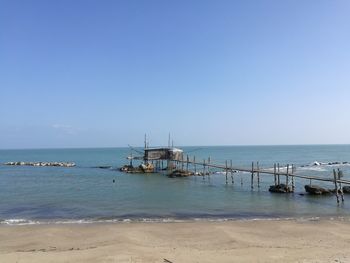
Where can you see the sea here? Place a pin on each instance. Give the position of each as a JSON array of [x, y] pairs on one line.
[[96, 191]]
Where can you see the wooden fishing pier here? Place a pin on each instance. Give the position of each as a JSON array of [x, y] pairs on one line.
[[284, 176], [289, 176]]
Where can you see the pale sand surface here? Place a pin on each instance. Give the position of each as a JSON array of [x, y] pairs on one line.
[[233, 241]]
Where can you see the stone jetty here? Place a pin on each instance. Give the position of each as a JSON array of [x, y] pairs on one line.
[[60, 164]]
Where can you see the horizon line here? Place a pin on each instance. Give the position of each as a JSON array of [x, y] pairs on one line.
[[176, 146]]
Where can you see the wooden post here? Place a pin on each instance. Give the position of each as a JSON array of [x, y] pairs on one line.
[[278, 174], [182, 162], [287, 177], [274, 173], [195, 166], [258, 173], [231, 172], [187, 160], [203, 168], [293, 183], [168, 165], [336, 185], [252, 177], [340, 187], [226, 170], [208, 165]]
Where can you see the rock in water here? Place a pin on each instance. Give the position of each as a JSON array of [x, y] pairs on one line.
[[346, 189], [280, 188], [316, 190]]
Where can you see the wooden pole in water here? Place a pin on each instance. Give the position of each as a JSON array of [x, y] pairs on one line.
[[208, 165], [340, 187], [231, 172], [195, 166], [252, 176], [226, 170], [203, 168], [278, 174], [293, 183], [258, 173], [182, 162], [170, 165], [187, 160], [274, 173], [336, 185], [287, 177]]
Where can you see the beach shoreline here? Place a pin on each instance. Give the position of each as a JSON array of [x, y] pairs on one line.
[[320, 240]]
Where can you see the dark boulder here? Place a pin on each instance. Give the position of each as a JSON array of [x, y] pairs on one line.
[[346, 189], [280, 188], [316, 190]]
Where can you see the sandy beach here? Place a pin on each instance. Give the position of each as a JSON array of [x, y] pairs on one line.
[[233, 241]]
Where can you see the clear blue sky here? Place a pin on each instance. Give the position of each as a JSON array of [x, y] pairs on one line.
[[103, 73]]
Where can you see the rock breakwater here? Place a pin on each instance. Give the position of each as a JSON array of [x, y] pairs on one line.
[[60, 164]]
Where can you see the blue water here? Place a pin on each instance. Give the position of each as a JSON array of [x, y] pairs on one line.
[[85, 193]]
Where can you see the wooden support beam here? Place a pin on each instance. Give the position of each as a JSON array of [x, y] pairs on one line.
[[195, 167], [287, 176], [187, 161], [336, 185], [231, 172], [293, 180], [258, 173], [252, 177], [208, 165], [182, 162], [340, 186], [203, 168], [226, 171]]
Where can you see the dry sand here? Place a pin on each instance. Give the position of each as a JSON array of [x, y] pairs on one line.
[[233, 241]]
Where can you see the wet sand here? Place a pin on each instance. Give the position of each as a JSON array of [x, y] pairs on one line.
[[233, 241]]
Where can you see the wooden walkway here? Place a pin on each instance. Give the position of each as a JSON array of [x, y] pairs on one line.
[[289, 185], [257, 170]]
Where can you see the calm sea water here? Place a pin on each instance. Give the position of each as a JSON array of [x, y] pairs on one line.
[[84, 193]]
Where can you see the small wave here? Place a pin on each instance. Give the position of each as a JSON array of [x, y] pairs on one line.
[[316, 163], [313, 168], [223, 172], [21, 222], [18, 222]]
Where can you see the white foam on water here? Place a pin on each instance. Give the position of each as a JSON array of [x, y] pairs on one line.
[[313, 168], [18, 222]]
